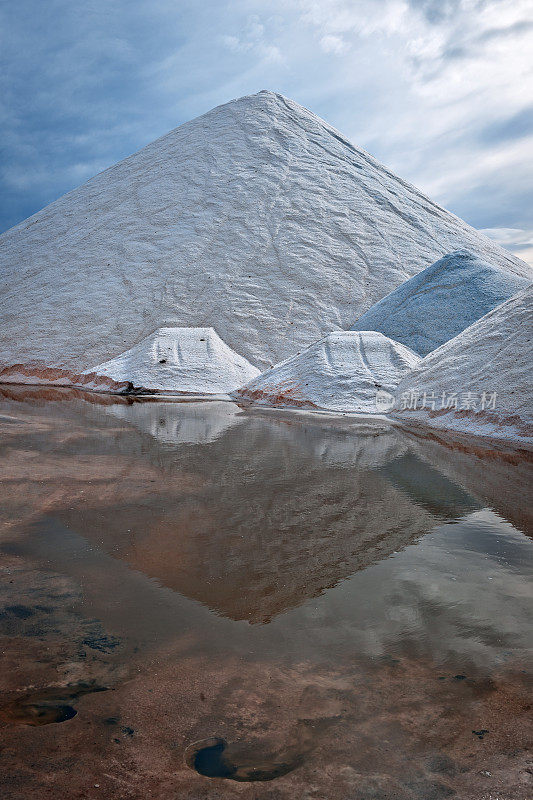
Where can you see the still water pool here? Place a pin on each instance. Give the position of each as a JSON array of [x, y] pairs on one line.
[[198, 601]]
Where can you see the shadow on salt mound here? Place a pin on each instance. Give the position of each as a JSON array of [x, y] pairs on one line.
[[181, 360], [341, 372], [441, 301]]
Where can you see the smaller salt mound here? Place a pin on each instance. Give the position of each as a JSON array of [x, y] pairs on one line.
[[182, 360], [441, 301], [481, 381], [341, 372]]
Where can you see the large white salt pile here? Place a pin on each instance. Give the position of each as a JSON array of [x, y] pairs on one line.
[[441, 301], [258, 219], [341, 372], [181, 360], [480, 381]]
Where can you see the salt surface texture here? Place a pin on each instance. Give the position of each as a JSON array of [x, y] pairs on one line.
[[487, 369], [341, 372], [191, 360], [258, 219], [441, 301]]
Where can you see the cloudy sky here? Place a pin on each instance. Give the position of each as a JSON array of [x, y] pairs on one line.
[[441, 91]]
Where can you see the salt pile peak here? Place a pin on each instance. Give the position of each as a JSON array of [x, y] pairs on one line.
[[341, 372], [258, 219], [182, 360], [480, 381], [441, 301]]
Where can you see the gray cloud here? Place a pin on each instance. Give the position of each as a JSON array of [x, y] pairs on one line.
[[515, 127], [493, 205], [522, 26], [474, 42], [438, 11]]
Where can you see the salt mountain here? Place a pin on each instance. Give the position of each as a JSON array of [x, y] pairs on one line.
[[257, 219]]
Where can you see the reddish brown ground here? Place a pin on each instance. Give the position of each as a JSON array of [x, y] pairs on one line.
[[278, 395], [389, 730], [59, 376]]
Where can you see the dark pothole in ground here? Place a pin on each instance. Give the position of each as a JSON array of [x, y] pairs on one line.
[[215, 758], [46, 706]]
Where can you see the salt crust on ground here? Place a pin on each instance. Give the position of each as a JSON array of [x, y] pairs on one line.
[[441, 301], [258, 219], [494, 354], [341, 372]]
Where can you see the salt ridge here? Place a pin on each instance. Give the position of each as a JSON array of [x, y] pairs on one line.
[[441, 301]]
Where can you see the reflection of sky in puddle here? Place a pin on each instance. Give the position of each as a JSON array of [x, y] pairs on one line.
[[279, 541], [437, 599]]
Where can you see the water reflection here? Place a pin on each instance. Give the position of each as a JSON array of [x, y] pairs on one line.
[[499, 478], [252, 519], [306, 591], [198, 422]]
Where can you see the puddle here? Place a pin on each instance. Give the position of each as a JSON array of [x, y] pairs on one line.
[[214, 758], [46, 706], [322, 609]]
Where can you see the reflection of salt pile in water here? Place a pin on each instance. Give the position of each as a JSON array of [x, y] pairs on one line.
[[429, 487], [341, 372], [441, 301], [480, 381], [358, 444], [340, 440], [255, 522], [183, 423], [498, 478], [189, 360], [210, 225]]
